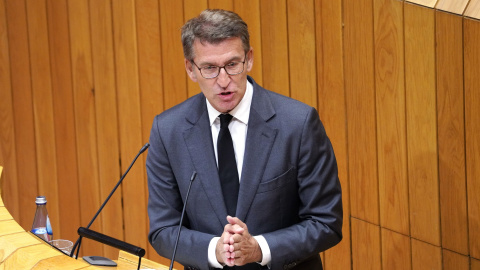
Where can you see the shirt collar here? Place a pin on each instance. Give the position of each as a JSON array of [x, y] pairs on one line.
[[241, 112]]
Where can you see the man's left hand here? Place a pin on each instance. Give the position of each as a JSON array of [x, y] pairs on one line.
[[245, 246]]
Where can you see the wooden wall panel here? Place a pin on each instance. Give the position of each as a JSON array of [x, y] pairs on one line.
[[22, 113], [332, 111], [366, 246], [174, 74], [360, 100], [43, 106], [472, 129], [474, 264], [64, 118], [129, 115], [7, 128], [451, 135], [452, 260], [425, 255], [395, 83], [275, 46], [396, 251], [391, 125], [301, 51], [191, 9], [85, 119], [221, 4], [147, 16], [421, 123], [250, 13], [104, 93]]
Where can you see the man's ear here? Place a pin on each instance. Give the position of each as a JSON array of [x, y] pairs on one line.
[[250, 59], [189, 68]]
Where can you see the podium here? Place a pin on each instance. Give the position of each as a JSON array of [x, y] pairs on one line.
[[23, 250]]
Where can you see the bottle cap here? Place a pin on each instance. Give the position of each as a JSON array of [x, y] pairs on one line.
[[41, 200]]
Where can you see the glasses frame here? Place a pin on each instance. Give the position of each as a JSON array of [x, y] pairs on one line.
[[220, 68]]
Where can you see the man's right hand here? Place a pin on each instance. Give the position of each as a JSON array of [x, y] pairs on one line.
[[225, 250]]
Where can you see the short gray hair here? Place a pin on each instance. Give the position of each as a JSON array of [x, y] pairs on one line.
[[213, 26]]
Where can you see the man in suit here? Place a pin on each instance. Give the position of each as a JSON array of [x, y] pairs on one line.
[[284, 204]]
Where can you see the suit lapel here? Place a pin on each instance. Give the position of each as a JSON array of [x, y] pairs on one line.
[[198, 139], [260, 138]]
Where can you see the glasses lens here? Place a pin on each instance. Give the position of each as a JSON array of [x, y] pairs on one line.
[[210, 71], [234, 68]]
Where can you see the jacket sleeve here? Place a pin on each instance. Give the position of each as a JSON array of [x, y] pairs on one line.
[[165, 203], [320, 209]]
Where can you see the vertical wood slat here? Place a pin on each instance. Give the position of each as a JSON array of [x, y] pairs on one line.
[[391, 125], [451, 135], [332, 111], [421, 123], [396, 251], [221, 4], [474, 264], [129, 115], [150, 73], [452, 260], [43, 106], [64, 119], [149, 62], [301, 51], [472, 129], [275, 46], [249, 11], [360, 100], [23, 110], [174, 74], [8, 155], [105, 96], [85, 118], [366, 246], [192, 8], [425, 256]]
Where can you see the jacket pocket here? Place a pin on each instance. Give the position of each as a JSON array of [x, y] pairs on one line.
[[278, 181]]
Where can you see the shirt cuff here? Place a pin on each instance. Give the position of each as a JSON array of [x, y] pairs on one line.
[[266, 255], [212, 256]]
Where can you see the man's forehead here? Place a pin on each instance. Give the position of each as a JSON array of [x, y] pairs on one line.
[[227, 50]]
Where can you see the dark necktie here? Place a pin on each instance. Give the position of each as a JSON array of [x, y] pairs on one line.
[[227, 167]]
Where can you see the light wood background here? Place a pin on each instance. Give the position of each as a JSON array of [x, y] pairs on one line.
[[396, 84]]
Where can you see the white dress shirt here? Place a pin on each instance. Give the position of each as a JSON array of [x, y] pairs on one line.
[[238, 129]]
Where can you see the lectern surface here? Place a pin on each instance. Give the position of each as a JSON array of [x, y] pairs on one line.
[[22, 250]]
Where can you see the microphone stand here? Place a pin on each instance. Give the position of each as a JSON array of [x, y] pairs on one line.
[[79, 240], [181, 220]]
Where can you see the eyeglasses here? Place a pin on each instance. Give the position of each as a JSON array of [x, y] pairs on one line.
[[232, 68]]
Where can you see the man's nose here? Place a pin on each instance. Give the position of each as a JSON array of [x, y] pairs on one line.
[[223, 78]]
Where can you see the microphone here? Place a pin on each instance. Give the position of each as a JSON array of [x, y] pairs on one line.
[[194, 174], [106, 239]]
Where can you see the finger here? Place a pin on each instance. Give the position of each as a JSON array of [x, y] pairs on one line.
[[236, 225]]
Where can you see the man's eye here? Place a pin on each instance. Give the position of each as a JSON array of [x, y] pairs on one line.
[[232, 64]]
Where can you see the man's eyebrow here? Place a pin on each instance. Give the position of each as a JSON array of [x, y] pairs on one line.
[[233, 59]]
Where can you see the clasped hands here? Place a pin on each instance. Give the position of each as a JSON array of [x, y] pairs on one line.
[[236, 246]]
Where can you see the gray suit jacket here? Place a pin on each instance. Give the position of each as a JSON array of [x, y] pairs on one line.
[[289, 190]]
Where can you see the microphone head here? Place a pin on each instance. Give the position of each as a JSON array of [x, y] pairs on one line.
[[144, 147]]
